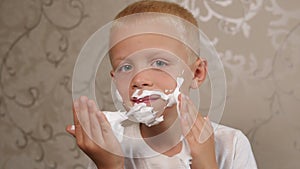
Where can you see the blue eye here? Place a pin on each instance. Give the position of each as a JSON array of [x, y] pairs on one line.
[[159, 63], [125, 68]]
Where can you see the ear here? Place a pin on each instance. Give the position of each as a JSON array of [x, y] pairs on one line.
[[199, 67], [112, 74]]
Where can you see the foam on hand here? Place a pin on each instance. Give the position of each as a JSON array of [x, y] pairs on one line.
[[142, 113]]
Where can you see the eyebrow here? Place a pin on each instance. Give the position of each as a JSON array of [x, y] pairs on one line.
[[124, 57], [150, 55], [166, 53], [154, 54]]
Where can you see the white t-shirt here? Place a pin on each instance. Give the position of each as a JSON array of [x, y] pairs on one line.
[[233, 150]]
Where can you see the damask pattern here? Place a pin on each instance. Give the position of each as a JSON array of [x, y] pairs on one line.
[[35, 84], [258, 42]]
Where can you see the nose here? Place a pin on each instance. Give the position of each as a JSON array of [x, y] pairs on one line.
[[141, 81]]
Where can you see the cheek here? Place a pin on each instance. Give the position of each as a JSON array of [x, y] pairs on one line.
[[186, 86], [161, 81], [123, 90], [165, 82]]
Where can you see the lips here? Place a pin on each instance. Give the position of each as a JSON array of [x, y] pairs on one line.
[[146, 99]]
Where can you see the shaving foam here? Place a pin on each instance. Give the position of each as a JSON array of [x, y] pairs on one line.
[[119, 97], [145, 114]]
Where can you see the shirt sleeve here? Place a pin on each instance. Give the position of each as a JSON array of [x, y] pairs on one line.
[[243, 155]]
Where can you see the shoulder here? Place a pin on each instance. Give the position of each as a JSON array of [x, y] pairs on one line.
[[231, 137], [228, 135], [233, 148]]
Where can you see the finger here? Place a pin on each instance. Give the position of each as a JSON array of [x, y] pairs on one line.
[[192, 110], [78, 129], [190, 114], [184, 119], [110, 142], [71, 129], [201, 128], [96, 134], [92, 108], [206, 132], [75, 109], [194, 120], [106, 130], [84, 115], [195, 129], [185, 127], [179, 98]]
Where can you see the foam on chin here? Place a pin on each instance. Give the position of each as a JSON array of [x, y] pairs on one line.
[[141, 113]]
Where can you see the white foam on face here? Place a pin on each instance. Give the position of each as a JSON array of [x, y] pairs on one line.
[[119, 96], [142, 113]]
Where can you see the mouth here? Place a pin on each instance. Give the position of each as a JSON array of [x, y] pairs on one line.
[[146, 99]]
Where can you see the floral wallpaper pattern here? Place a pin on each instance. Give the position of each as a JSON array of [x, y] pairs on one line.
[[258, 42]]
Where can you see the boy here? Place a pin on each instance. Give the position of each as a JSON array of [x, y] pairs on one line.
[[153, 74]]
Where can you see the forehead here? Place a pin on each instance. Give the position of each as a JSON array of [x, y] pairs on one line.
[[137, 43]]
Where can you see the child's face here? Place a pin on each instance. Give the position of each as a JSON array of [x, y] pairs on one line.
[[165, 54]]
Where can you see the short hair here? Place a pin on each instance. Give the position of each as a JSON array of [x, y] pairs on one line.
[[158, 6], [155, 6]]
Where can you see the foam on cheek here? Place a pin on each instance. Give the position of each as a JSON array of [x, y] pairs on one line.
[[173, 97], [119, 96], [145, 114]]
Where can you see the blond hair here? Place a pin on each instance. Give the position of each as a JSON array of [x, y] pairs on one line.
[[158, 6], [165, 7]]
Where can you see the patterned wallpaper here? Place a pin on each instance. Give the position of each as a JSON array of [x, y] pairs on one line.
[[258, 41]]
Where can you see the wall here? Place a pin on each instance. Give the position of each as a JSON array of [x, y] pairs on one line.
[[258, 41]]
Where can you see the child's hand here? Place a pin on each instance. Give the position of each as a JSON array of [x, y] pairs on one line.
[[94, 124], [199, 134]]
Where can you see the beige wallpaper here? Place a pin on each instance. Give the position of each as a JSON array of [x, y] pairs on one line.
[[258, 41]]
